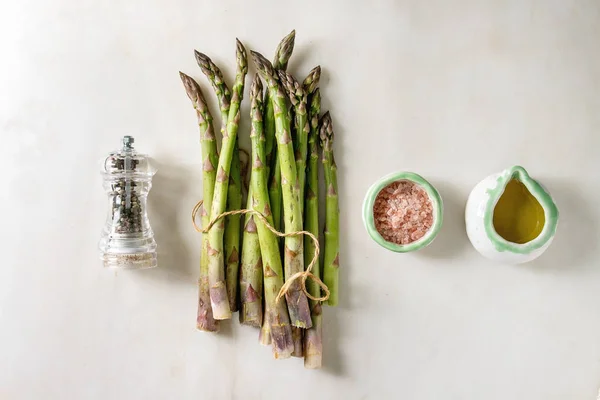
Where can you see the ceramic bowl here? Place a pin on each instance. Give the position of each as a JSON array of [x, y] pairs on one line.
[[434, 196], [510, 217]]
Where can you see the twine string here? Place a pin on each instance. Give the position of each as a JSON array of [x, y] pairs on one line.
[[303, 275]]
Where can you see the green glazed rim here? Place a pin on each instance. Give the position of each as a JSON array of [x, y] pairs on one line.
[[434, 196]]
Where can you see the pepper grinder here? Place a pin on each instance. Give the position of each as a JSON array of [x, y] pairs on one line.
[[127, 240]]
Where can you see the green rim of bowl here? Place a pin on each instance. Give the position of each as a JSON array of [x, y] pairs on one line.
[[369, 219]]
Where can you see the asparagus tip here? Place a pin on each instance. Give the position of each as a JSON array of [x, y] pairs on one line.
[[312, 80], [284, 50], [316, 98], [295, 91], [242, 58], [256, 88], [240, 47], [287, 44], [256, 56], [187, 81], [200, 56], [326, 127], [262, 64], [192, 89], [204, 61]]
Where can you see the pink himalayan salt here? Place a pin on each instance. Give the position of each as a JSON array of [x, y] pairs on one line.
[[403, 212]]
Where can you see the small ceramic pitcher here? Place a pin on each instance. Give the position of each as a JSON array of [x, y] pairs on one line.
[[510, 217]]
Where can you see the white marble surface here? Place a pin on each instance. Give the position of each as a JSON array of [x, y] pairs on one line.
[[451, 90]]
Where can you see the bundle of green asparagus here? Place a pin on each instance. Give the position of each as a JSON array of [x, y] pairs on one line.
[[243, 267]]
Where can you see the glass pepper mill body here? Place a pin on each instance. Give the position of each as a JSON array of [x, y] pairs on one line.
[[127, 239]]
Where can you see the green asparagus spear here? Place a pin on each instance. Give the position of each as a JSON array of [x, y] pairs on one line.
[[251, 271], [204, 319], [232, 231], [251, 276], [282, 56], [294, 248], [298, 97], [331, 261], [232, 222], [275, 311], [218, 289], [313, 337], [234, 192]]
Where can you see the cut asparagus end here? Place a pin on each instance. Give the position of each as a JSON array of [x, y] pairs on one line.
[[281, 336], [264, 337], [219, 302], [297, 338], [204, 319], [313, 341]]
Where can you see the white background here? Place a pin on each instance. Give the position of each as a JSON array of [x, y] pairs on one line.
[[452, 90]]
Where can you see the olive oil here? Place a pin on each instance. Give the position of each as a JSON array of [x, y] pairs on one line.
[[518, 215]]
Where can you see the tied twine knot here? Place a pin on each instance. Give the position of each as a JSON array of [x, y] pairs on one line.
[[303, 275]]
